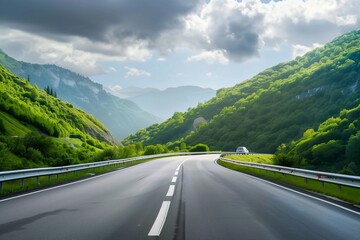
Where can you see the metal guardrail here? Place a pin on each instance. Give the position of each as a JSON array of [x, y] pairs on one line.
[[38, 172], [340, 179]]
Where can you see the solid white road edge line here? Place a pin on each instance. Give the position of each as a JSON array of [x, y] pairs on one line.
[[160, 219], [174, 179], [60, 186], [292, 190], [171, 191]]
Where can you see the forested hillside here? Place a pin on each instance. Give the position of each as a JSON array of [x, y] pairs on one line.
[[274, 107], [334, 146], [120, 116], [37, 129]]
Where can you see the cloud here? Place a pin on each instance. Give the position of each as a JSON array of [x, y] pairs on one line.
[[307, 22], [216, 56], [105, 30], [79, 34], [209, 74], [134, 72], [300, 50]]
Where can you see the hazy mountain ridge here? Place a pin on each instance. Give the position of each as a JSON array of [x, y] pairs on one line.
[[120, 116], [164, 103], [275, 106]]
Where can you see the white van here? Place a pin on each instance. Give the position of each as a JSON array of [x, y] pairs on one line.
[[242, 150]]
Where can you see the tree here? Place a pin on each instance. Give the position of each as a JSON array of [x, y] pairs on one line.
[[200, 148], [353, 148], [2, 126]]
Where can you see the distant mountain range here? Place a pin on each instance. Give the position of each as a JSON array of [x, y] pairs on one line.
[[120, 116], [276, 106], [164, 103]]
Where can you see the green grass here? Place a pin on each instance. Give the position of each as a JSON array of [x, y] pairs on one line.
[[13, 126], [349, 194], [256, 158], [13, 187]]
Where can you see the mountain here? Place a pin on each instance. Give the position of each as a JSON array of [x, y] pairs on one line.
[[274, 107], [37, 129], [130, 92], [120, 116], [164, 103]]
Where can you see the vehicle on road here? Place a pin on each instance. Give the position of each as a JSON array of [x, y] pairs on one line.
[[242, 150]]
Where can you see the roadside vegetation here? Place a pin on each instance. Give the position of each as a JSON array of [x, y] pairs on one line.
[[255, 158], [334, 146]]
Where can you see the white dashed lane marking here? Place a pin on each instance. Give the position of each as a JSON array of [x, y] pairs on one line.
[[161, 217], [171, 191]]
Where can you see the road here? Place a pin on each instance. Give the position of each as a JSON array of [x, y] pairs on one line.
[[188, 197]]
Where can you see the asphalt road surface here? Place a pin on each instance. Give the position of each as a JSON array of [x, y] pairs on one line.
[[189, 197]]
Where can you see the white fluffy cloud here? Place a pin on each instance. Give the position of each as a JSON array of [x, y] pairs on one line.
[[216, 56], [300, 50], [135, 72]]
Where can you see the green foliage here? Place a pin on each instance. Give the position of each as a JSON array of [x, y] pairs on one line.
[[334, 146], [33, 124], [2, 126], [121, 116], [200, 148], [49, 90], [274, 107], [49, 115], [353, 149], [255, 158]]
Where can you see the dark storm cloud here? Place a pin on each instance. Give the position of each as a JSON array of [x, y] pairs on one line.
[[96, 20], [235, 32]]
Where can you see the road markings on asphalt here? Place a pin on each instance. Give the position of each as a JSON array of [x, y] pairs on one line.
[[171, 191], [56, 187], [178, 168], [292, 190], [160, 219]]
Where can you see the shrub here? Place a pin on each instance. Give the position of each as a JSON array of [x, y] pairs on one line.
[[200, 148]]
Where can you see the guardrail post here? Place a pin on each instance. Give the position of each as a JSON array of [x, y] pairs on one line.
[[339, 187], [1, 187], [305, 180], [37, 180], [22, 183]]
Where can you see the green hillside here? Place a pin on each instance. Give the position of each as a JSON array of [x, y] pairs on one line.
[[335, 145], [120, 116], [37, 129], [274, 107]]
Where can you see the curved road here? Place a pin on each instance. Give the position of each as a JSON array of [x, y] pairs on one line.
[[189, 197]]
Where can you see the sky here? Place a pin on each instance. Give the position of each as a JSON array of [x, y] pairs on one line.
[[169, 43]]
